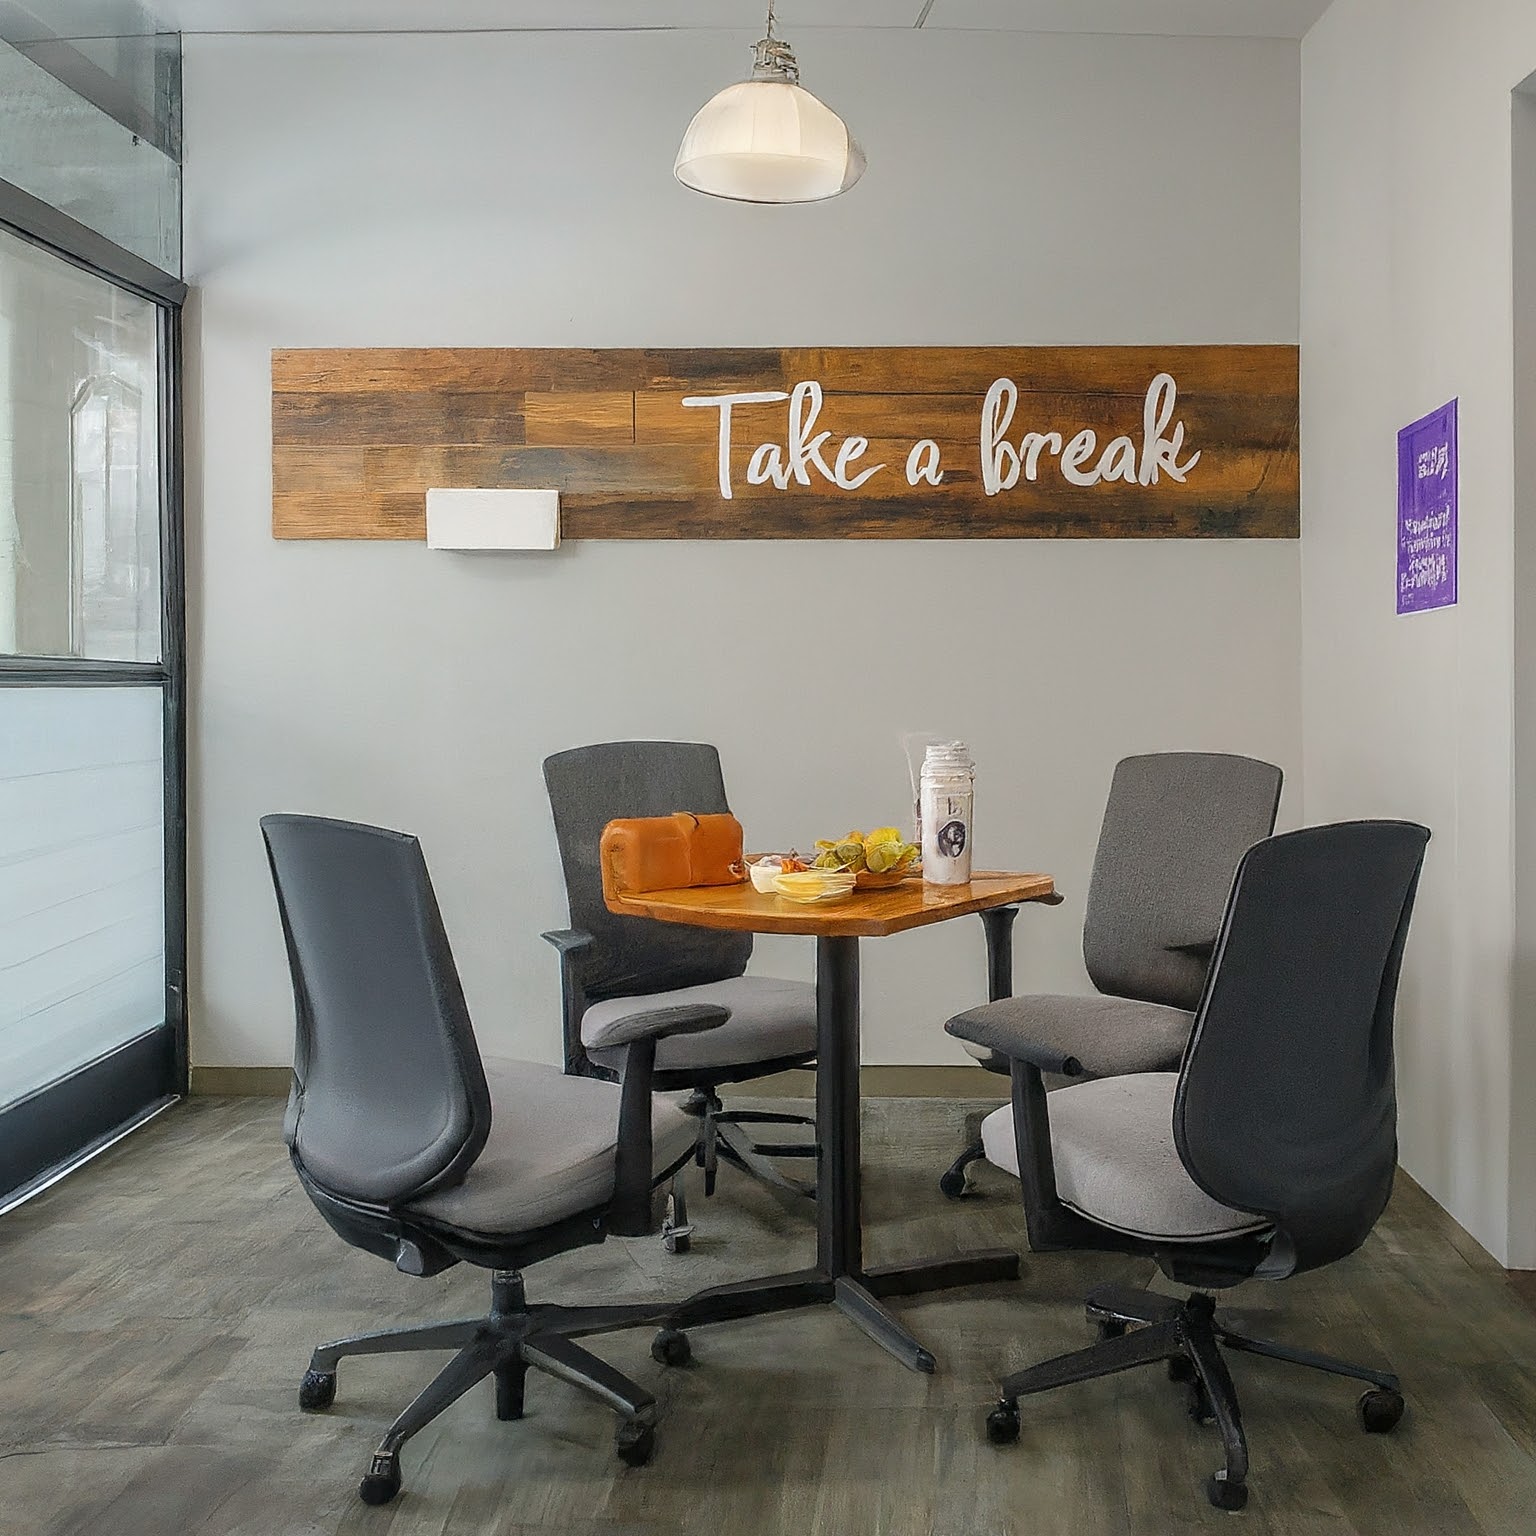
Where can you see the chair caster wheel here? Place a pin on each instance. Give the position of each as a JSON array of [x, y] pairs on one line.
[[1003, 1422], [952, 1185], [317, 1390], [1181, 1368], [671, 1347], [1381, 1410], [382, 1482], [635, 1442], [676, 1239], [1199, 1404], [1111, 1328], [1225, 1495]]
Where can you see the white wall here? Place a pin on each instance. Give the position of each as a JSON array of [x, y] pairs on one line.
[[1406, 302], [1522, 1074], [516, 190]]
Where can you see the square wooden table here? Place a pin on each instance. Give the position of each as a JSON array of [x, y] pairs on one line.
[[840, 1276]]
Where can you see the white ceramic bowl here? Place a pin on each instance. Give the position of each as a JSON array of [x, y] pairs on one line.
[[763, 876]]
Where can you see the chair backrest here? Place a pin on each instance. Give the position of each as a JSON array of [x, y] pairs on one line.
[[588, 788], [1175, 825], [1286, 1104], [390, 1099]]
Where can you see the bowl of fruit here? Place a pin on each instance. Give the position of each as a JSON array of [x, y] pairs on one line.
[[880, 858]]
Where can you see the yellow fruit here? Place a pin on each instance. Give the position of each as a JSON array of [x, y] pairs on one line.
[[851, 852]]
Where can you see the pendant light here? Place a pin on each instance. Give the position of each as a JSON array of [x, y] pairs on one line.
[[768, 140]]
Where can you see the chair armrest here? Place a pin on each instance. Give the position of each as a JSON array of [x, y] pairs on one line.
[[658, 1023], [631, 1212], [567, 940], [986, 1026], [569, 944]]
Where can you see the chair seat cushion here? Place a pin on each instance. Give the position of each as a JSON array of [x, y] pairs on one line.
[[770, 1019], [551, 1150], [1116, 1162], [1108, 1035]]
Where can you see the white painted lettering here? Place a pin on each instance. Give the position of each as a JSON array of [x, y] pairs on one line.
[[1076, 454], [1160, 453], [852, 448], [767, 463], [999, 458], [1032, 445], [723, 404], [923, 463], [1119, 461], [1003, 462], [803, 448]]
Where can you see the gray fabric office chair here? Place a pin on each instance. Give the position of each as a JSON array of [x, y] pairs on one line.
[[415, 1148], [1175, 826], [1270, 1152], [612, 967]]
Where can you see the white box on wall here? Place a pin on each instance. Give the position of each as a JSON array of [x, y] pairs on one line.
[[480, 519]]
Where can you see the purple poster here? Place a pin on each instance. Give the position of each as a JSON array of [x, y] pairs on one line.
[[1426, 512]]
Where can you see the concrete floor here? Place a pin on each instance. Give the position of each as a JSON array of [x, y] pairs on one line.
[[157, 1310]]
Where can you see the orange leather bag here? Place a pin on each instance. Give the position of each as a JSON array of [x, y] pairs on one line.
[[663, 853]]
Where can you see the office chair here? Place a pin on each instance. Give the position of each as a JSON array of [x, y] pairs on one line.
[[415, 1148], [1175, 825], [1270, 1152], [614, 966]]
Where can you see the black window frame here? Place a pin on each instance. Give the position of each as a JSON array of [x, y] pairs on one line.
[[53, 1129]]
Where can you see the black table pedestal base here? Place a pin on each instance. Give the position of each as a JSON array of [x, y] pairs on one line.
[[857, 1297], [840, 1276]]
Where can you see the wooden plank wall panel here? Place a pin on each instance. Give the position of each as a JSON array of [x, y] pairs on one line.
[[359, 436]]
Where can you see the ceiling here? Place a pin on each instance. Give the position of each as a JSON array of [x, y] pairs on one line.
[[1212, 18]]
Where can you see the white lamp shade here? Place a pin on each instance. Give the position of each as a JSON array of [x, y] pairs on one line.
[[767, 141]]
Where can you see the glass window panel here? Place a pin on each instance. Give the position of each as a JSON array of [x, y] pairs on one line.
[[79, 463], [82, 878], [75, 157]]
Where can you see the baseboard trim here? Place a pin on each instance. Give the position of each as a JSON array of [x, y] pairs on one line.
[[242, 1082], [957, 1082]]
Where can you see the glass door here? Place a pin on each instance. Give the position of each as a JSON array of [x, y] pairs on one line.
[[92, 858]]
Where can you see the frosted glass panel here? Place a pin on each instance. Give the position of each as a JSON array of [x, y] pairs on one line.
[[82, 878]]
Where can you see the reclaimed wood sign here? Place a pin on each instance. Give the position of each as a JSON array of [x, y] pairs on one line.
[[797, 443]]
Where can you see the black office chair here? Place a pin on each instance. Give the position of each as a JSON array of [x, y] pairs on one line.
[[1175, 825], [613, 966], [414, 1147], [1270, 1152]]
